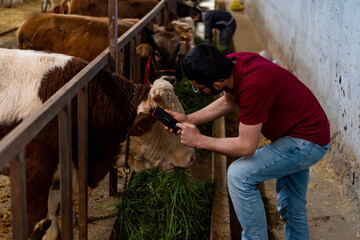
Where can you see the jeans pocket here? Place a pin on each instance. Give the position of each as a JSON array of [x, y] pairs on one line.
[[315, 155], [323, 148]]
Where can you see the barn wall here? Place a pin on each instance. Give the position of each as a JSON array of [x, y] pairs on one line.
[[320, 42]]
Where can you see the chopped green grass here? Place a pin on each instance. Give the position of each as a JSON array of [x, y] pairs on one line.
[[162, 206], [192, 102], [198, 40]]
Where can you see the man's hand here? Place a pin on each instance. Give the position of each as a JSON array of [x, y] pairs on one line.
[[190, 134], [178, 116]]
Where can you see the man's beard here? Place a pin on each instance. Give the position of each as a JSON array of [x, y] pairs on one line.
[[214, 92]]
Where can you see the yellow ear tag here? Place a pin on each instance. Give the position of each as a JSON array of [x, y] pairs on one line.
[[140, 129]]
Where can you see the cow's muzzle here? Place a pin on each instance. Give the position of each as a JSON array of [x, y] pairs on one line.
[[171, 79]]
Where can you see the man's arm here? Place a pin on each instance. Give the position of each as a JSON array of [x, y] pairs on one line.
[[214, 110], [243, 145]]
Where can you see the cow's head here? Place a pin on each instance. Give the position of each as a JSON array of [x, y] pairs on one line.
[[182, 156], [156, 147], [185, 31], [162, 55]]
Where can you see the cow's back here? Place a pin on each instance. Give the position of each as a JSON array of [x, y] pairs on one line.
[[80, 36], [99, 8]]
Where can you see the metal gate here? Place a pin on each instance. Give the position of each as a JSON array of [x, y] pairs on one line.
[[12, 146]]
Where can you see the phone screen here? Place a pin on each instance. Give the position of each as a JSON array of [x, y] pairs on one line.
[[165, 118]]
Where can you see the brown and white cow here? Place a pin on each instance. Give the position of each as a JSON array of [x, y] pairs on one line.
[[185, 28], [86, 37], [162, 55], [99, 8], [80, 36], [28, 78]]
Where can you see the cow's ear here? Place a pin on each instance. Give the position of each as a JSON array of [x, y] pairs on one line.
[[144, 50], [142, 124]]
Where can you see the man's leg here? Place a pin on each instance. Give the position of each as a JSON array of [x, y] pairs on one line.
[[291, 199], [226, 36], [243, 177], [291, 192], [280, 158]]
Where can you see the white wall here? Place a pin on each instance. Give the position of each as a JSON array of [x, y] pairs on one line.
[[320, 41]]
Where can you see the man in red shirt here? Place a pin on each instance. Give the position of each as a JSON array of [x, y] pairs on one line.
[[273, 102]]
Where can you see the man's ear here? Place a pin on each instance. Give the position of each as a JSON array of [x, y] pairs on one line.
[[218, 84], [142, 124], [144, 50]]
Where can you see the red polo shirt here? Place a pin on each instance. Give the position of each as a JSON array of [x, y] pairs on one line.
[[267, 93]]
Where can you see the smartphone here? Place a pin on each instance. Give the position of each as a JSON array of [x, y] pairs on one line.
[[165, 118]]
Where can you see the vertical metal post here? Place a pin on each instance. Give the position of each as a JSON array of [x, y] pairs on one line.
[[151, 25], [165, 14], [138, 59], [174, 5], [18, 196], [220, 222], [64, 118], [133, 60], [124, 59], [113, 35], [83, 161], [113, 64]]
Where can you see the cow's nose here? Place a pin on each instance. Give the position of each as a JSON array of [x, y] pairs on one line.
[[192, 160], [170, 79]]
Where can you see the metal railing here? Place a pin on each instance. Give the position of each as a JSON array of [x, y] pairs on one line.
[[12, 146]]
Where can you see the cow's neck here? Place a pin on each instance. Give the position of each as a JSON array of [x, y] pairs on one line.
[[55, 79], [110, 103], [110, 100]]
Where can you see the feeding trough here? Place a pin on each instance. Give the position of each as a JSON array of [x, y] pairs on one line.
[[159, 205]]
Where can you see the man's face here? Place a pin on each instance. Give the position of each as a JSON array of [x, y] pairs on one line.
[[208, 90]]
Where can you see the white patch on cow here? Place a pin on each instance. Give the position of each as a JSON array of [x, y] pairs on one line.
[[21, 72], [158, 148], [161, 94], [54, 203]]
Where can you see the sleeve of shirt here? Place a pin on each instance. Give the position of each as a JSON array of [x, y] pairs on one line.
[[256, 101]]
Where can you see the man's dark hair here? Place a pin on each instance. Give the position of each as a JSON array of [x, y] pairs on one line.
[[193, 11], [206, 64]]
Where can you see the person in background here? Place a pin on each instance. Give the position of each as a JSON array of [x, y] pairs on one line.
[[219, 19], [274, 103]]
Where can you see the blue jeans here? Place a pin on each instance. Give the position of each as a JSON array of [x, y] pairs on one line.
[[226, 35], [288, 160]]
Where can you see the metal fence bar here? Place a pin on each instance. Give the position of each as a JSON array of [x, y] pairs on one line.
[[18, 196], [113, 66], [123, 70], [133, 60], [138, 60], [165, 15], [113, 35], [65, 153], [83, 162]]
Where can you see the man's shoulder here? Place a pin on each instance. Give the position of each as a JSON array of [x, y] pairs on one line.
[[216, 12], [242, 54]]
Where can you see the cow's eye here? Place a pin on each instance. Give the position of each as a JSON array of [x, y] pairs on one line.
[[157, 54]]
